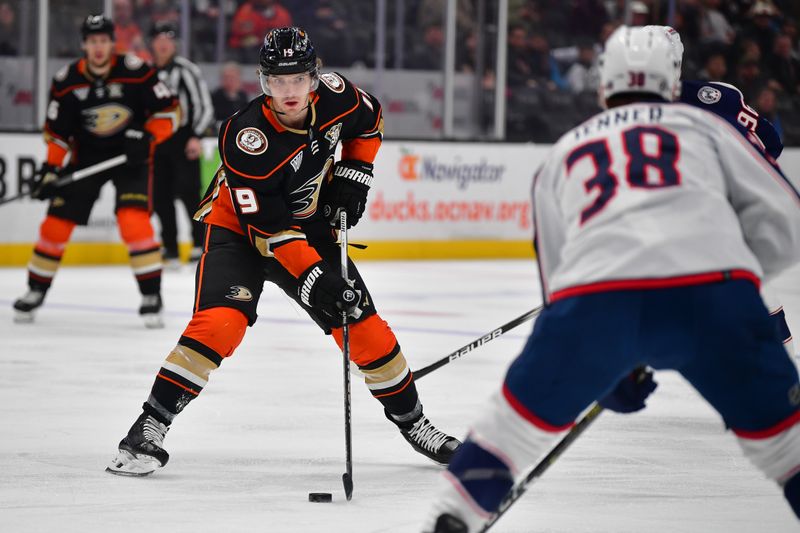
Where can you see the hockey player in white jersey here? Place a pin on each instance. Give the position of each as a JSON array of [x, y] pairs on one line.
[[655, 223]]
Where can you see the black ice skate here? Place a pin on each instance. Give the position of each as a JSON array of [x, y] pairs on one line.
[[25, 307], [150, 310], [447, 523], [427, 440], [140, 452]]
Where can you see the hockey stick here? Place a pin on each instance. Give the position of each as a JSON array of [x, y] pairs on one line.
[[77, 175], [347, 477], [580, 426], [505, 328]]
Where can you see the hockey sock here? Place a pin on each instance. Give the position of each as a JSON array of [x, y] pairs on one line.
[[791, 491], [391, 382], [145, 253], [54, 234], [211, 335], [182, 377], [485, 477]]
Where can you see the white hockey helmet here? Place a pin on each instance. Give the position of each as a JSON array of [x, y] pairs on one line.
[[642, 59]]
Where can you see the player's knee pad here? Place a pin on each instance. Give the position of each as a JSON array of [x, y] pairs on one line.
[[215, 332], [512, 433], [776, 450], [54, 234], [135, 228], [370, 340]]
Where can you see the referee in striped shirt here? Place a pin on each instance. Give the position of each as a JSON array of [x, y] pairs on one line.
[[176, 165]]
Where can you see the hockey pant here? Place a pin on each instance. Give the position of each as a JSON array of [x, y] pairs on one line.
[[718, 336]]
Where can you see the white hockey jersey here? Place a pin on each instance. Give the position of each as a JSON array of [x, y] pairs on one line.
[[659, 195]]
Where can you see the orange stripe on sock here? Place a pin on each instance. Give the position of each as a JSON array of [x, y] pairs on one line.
[[408, 382], [187, 389]]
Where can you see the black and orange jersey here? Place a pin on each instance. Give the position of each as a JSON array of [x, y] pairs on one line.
[[272, 177], [88, 116]]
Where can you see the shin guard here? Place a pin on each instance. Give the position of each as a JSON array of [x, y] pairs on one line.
[[145, 255]]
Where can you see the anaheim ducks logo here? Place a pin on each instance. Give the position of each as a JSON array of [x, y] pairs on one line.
[[333, 81], [107, 119], [239, 293], [251, 141], [305, 197]]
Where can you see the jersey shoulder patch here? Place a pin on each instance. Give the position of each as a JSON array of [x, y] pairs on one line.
[[709, 95], [247, 145], [333, 81], [133, 62], [251, 141]]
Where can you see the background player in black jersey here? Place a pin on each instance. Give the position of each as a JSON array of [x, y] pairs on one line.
[[101, 106], [176, 162], [269, 214]]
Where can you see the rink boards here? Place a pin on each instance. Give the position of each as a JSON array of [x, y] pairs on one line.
[[429, 200]]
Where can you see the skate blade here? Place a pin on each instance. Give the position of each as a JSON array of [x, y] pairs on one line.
[[153, 320], [127, 464], [23, 317]]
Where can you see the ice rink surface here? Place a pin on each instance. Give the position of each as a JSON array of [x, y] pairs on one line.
[[268, 428]]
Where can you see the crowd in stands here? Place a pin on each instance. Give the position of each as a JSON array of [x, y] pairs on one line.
[[553, 45]]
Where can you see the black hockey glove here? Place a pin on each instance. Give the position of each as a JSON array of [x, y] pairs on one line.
[[630, 394], [329, 293], [44, 186], [137, 146], [347, 190]]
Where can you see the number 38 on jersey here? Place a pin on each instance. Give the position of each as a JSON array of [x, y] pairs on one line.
[[648, 160]]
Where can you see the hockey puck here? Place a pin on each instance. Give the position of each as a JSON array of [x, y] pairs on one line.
[[320, 497]]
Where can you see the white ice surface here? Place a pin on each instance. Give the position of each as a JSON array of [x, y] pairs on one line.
[[268, 429]]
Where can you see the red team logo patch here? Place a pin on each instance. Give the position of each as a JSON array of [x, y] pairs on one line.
[[251, 141]]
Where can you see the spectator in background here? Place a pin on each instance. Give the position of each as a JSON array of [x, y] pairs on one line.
[[584, 74], [229, 97], [128, 32], [331, 35], [640, 14], [766, 104], [252, 21], [749, 79], [586, 18], [544, 68], [520, 72], [428, 54], [759, 26], [715, 68], [431, 13], [784, 68], [9, 30], [714, 27]]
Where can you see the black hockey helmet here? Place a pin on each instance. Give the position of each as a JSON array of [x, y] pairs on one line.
[[287, 50], [97, 24], [164, 27]]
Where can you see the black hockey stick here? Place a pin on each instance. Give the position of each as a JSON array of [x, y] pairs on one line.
[[505, 328], [580, 426], [347, 477], [77, 175]]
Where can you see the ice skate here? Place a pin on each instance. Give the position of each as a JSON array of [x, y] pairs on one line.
[[447, 523], [140, 452], [150, 310], [25, 307], [429, 441]]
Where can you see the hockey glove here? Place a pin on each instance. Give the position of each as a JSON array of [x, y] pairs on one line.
[[137, 146], [630, 394], [347, 190], [328, 293], [44, 186]]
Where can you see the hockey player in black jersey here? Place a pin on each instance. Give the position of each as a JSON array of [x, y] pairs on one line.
[[101, 106], [269, 215]]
